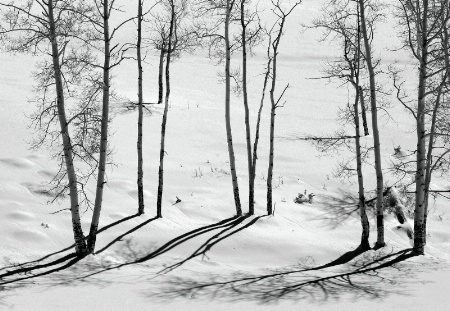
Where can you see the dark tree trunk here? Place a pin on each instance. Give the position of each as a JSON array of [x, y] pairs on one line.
[[160, 75], [140, 172], [164, 119]]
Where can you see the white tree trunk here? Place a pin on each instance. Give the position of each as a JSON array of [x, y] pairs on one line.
[[80, 244], [234, 180], [362, 200], [419, 212], [104, 131], [376, 136], [258, 122], [251, 204]]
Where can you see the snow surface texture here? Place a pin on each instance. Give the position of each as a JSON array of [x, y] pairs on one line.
[[199, 257]]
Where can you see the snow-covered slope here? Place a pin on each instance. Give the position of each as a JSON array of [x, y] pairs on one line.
[[198, 256]]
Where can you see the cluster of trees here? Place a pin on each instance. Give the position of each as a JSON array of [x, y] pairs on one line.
[[76, 42], [73, 86], [424, 28]]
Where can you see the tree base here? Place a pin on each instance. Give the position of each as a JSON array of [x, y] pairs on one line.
[[365, 245], [379, 245], [418, 252]]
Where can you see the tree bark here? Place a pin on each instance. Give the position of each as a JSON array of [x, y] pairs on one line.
[[258, 122], [234, 180], [272, 117], [359, 100], [363, 111], [431, 138], [104, 131], [164, 119], [160, 75], [362, 200], [251, 203], [140, 173], [80, 244], [376, 137], [419, 215]]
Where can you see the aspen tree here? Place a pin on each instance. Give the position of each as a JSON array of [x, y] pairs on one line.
[[282, 14]]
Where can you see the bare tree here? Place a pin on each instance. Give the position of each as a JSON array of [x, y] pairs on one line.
[[282, 14], [258, 121], [166, 107], [237, 200], [426, 27], [140, 172], [367, 34], [341, 20], [249, 38], [171, 34], [217, 17], [184, 39], [111, 59], [25, 29]]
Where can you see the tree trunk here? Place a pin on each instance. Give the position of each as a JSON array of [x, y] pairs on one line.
[[363, 111], [160, 75], [429, 158], [272, 117], [258, 122], [164, 119], [104, 131], [271, 146], [251, 198], [359, 100], [419, 215], [376, 137], [140, 172], [445, 78], [234, 180], [80, 244], [362, 200]]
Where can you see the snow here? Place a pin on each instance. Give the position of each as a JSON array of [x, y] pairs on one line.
[[199, 257]]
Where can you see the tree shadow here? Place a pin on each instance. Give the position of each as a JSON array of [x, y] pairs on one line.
[[20, 273], [139, 258], [29, 264], [120, 237], [374, 275], [26, 270], [208, 244], [338, 209]]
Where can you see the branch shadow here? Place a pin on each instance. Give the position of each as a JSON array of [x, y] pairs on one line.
[[374, 275], [338, 209]]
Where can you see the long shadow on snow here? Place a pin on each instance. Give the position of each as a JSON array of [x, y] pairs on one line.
[[375, 275], [228, 224], [69, 260], [205, 247], [27, 268]]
